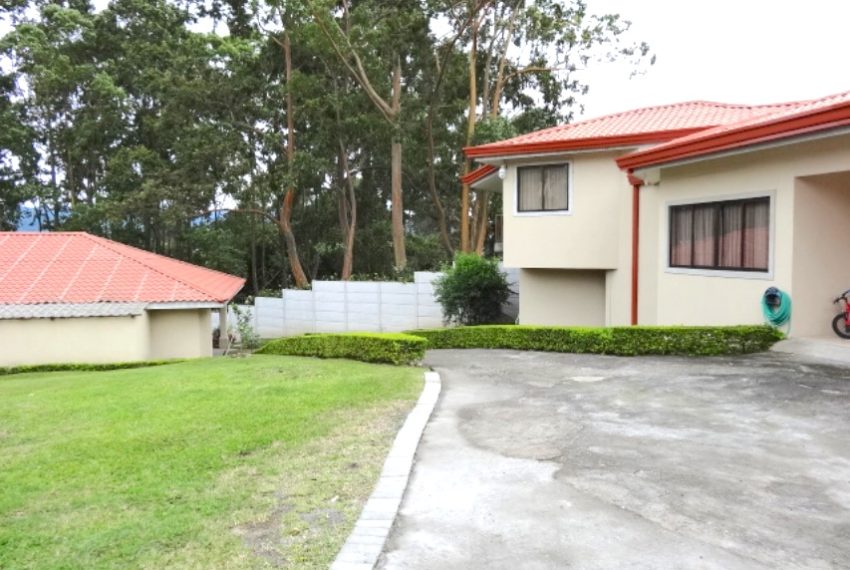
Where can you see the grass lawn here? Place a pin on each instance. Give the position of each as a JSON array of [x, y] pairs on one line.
[[219, 463]]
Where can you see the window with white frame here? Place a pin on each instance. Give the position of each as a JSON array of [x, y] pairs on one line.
[[728, 235], [543, 188]]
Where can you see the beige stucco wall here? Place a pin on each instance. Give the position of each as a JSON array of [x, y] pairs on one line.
[[180, 334], [821, 210], [94, 339], [153, 335], [561, 297], [590, 236], [670, 297]]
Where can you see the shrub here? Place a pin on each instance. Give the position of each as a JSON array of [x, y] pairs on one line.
[[84, 367], [367, 347], [248, 337], [472, 291], [622, 341]]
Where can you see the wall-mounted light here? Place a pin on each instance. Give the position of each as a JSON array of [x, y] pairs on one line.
[[502, 172]]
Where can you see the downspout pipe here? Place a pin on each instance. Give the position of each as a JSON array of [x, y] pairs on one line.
[[636, 184]]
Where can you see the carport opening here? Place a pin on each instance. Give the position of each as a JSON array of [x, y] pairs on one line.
[[821, 226]]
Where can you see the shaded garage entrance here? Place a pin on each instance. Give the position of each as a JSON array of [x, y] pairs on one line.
[[821, 270], [569, 461]]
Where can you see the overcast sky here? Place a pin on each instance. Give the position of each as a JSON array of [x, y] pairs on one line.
[[734, 51]]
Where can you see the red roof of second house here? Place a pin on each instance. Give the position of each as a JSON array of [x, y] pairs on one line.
[[638, 126], [76, 267], [791, 120]]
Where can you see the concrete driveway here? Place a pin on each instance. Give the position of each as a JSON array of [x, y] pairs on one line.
[[536, 460]]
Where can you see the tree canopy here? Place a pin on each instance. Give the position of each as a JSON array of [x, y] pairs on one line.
[[282, 140]]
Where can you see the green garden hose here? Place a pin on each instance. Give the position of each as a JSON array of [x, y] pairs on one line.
[[777, 314]]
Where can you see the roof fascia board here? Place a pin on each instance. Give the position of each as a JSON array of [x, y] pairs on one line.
[[755, 147], [498, 160]]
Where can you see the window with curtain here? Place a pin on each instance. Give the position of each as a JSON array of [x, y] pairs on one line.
[[543, 188], [730, 235]]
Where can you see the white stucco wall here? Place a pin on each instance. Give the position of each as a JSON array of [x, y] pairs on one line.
[[594, 235], [821, 209], [562, 297], [180, 334], [153, 335], [93, 339], [590, 236], [671, 297]]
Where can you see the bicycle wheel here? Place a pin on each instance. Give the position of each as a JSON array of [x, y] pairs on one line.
[[839, 325]]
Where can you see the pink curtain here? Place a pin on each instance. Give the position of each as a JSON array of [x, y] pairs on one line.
[[681, 233], [530, 189], [722, 235], [555, 188], [756, 248], [732, 234], [705, 220]]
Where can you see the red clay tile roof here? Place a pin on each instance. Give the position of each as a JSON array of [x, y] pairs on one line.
[[639, 126], [786, 121], [76, 267]]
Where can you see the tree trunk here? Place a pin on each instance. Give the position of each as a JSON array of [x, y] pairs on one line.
[[399, 253], [285, 222], [432, 184], [350, 201], [483, 222], [470, 131]]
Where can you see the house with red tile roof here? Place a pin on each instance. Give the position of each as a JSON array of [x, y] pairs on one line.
[[677, 214], [75, 297]]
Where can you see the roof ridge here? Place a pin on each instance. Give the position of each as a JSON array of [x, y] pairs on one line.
[[108, 244], [649, 108]]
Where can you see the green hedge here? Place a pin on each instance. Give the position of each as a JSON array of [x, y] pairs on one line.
[[621, 341], [367, 347], [83, 367]]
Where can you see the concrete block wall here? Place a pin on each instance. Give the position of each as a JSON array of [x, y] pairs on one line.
[[366, 306]]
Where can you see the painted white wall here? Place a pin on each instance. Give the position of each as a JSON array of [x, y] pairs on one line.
[[562, 297], [590, 236], [180, 334], [821, 211], [87, 340], [715, 298]]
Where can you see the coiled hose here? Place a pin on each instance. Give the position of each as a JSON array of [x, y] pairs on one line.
[[777, 314]]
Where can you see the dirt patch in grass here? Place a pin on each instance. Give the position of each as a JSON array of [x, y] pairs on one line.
[[322, 489]]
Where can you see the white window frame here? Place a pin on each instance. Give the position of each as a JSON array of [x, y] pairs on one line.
[[570, 190], [723, 273]]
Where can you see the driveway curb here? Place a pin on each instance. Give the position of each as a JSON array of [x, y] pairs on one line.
[[366, 541]]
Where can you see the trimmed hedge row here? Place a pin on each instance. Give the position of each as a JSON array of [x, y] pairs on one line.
[[621, 341], [82, 367], [391, 348]]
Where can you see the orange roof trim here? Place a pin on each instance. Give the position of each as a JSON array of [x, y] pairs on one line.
[[479, 174], [76, 267]]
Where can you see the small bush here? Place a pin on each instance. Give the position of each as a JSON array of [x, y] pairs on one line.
[[83, 367], [472, 291], [367, 347], [621, 341], [248, 337]]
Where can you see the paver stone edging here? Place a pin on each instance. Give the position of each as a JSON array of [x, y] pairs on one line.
[[366, 541]]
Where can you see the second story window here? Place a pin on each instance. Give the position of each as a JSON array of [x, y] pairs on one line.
[[543, 188]]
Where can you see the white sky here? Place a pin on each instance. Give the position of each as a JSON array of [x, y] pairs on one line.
[[733, 51]]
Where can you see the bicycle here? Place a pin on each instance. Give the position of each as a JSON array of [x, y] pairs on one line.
[[841, 322]]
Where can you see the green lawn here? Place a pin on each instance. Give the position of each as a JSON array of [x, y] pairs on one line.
[[220, 463]]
